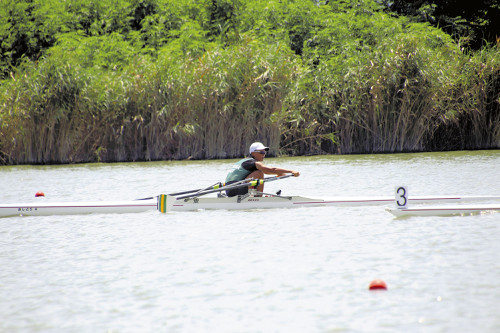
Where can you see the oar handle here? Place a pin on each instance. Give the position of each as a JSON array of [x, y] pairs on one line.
[[277, 178]]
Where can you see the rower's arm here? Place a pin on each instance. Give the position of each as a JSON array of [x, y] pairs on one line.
[[275, 170]]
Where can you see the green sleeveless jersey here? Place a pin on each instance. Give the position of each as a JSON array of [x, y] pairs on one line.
[[241, 169]]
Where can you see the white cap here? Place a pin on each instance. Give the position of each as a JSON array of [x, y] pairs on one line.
[[257, 146]]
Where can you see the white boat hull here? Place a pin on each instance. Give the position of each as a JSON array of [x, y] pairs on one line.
[[202, 203], [170, 203], [72, 208], [445, 210]]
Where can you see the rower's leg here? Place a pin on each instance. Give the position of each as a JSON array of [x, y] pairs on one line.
[[257, 174]]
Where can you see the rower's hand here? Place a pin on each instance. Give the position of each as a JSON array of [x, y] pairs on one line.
[[295, 173]]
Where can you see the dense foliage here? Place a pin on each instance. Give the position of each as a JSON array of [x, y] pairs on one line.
[[472, 23], [120, 80]]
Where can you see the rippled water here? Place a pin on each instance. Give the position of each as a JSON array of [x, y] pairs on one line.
[[279, 270]]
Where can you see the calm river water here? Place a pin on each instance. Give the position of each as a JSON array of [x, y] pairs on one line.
[[279, 270]]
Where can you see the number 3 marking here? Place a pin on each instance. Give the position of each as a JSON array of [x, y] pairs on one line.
[[401, 197]]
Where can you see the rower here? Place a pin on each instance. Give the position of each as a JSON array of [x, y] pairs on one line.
[[253, 167]]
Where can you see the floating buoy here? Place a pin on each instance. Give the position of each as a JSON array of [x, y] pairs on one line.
[[378, 285], [39, 194]]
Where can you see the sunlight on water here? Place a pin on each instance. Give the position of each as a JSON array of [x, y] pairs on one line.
[[279, 270]]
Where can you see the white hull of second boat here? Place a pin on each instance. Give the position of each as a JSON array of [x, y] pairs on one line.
[[445, 210]]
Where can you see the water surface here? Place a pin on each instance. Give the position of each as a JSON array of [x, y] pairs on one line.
[[279, 270]]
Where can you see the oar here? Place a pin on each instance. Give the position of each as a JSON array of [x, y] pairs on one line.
[[242, 183], [215, 186], [218, 187], [211, 187]]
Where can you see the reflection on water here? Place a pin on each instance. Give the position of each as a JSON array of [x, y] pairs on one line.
[[296, 270]]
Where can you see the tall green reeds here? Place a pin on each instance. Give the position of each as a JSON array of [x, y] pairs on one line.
[[391, 87], [213, 106], [469, 102], [226, 99], [161, 79]]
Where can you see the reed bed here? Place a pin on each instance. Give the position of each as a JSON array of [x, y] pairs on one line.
[[210, 107], [204, 80], [400, 95]]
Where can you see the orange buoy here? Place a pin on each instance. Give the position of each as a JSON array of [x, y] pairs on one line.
[[377, 285], [39, 194]]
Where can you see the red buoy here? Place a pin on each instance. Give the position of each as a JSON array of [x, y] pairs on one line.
[[378, 284], [39, 194]]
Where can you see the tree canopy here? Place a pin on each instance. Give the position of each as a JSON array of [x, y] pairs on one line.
[[474, 22], [30, 28]]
